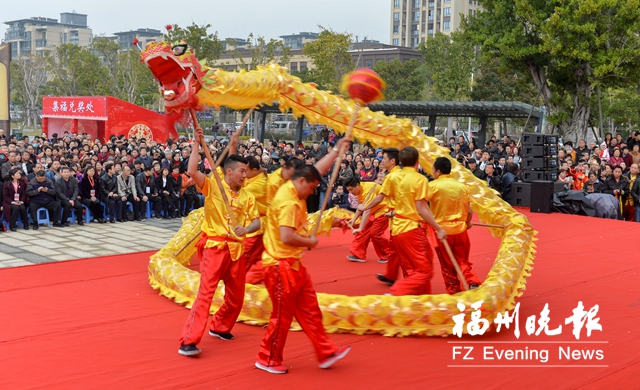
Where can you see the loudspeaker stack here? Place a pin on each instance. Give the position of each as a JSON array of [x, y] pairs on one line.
[[539, 157]]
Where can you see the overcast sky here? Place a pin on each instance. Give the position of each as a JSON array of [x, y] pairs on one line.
[[231, 18]]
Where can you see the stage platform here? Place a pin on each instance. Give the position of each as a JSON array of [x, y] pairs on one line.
[[97, 324]]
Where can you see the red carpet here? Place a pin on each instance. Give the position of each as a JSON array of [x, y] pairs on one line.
[[96, 324]]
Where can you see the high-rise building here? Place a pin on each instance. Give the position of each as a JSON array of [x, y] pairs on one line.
[[297, 41], [415, 21], [38, 35], [143, 35]]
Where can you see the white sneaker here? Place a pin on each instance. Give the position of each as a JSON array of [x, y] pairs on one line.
[[272, 370], [337, 355]]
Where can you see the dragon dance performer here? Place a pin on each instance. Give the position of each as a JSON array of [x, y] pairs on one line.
[[373, 223], [256, 184], [450, 203], [409, 235], [275, 180], [220, 249], [286, 278], [390, 158]]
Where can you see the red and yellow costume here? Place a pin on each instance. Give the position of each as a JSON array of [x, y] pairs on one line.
[[289, 285], [375, 228], [409, 233], [221, 258], [255, 272], [393, 263], [253, 244], [449, 202]]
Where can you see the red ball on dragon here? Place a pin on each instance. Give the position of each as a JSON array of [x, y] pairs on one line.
[[364, 86]]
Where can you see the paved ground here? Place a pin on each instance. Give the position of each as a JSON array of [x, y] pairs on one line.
[[51, 244]]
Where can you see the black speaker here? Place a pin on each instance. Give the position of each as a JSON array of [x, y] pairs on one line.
[[532, 139], [541, 196], [530, 175], [521, 194]]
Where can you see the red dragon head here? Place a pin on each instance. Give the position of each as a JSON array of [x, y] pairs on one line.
[[177, 70]]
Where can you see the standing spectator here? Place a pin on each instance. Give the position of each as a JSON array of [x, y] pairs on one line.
[[618, 186], [127, 192], [42, 194], [629, 209], [14, 199], [110, 197], [368, 172], [90, 193], [164, 190], [616, 158], [26, 163], [176, 186], [67, 190], [189, 194], [473, 167]]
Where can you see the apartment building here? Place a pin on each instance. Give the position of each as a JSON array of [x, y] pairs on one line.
[[143, 35], [414, 21], [38, 35]]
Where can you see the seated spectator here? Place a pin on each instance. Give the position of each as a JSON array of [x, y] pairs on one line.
[[67, 190], [473, 167], [127, 193], [90, 193], [14, 195], [176, 184], [564, 178], [507, 180], [42, 194], [110, 197], [146, 187], [594, 185], [339, 198], [189, 193]]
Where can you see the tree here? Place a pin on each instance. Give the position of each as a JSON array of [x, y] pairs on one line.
[[494, 83], [331, 57], [450, 61], [109, 52], [405, 80], [568, 48], [261, 52], [76, 71], [135, 79], [28, 77], [206, 46]]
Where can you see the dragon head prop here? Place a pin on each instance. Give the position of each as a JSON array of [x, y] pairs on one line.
[[177, 70]]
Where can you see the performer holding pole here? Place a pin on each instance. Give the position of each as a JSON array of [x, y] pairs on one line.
[[409, 232], [450, 203], [373, 223], [390, 159], [286, 278], [220, 247]]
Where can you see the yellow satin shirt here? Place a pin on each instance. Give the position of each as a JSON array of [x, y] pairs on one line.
[[274, 182], [449, 202], [389, 180], [257, 186], [370, 190], [217, 222], [407, 189], [286, 209]]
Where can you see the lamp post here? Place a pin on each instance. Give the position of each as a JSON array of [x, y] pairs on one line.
[[143, 103]]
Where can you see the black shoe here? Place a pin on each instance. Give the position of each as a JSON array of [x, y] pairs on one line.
[[13, 229], [81, 222], [66, 224], [36, 226], [189, 350], [223, 336], [57, 224], [26, 227], [139, 219], [122, 220], [158, 216], [112, 220], [386, 280], [167, 217], [473, 286]]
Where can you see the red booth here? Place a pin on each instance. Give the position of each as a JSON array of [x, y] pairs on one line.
[[102, 117]]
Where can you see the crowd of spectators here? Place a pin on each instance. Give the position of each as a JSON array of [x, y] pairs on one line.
[[609, 168], [119, 179]]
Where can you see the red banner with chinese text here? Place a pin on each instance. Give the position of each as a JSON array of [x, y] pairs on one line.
[[74, 107]]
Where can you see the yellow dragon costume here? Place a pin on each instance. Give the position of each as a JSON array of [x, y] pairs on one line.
[[187, 83]]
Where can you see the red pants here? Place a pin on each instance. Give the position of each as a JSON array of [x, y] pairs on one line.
[[216, 265], [416, 258], [301, 302], [374, 231], [629, 213], [460, 246], [253, 248]]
